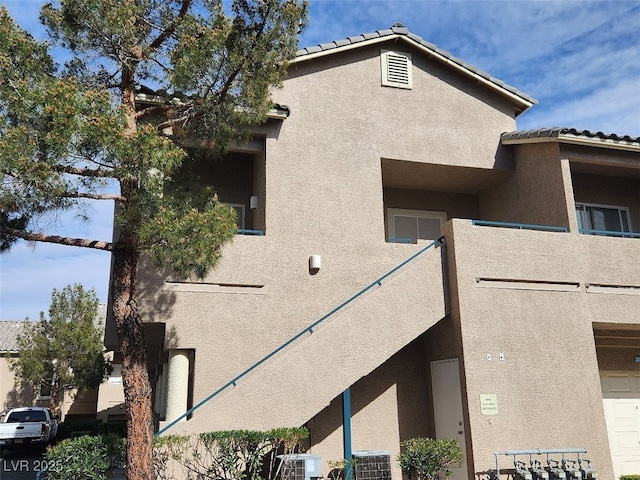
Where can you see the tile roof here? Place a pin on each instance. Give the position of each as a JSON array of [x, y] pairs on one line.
[[399, 30], [564, 133], [9, 331]]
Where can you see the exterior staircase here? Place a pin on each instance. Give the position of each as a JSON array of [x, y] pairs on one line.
[[300, 378]]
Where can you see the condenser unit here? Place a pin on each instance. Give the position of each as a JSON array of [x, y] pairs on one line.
[[300, 466], [372, 465]]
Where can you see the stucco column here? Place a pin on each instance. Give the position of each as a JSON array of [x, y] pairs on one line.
[[177, 384], [565, 168]]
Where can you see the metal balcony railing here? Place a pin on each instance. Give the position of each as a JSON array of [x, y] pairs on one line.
[[609, 233], [520, 226]]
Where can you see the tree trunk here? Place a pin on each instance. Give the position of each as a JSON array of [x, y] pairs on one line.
[[135, 376]]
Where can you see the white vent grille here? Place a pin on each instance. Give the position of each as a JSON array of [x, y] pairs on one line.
[[396, 69]]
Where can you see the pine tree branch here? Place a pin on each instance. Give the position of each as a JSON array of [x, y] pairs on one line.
[[84, 172], [40, 237], [95, 196], [171, 28]]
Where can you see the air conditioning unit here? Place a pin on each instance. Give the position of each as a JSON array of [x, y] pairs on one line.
[[300, 466], [372, 465]]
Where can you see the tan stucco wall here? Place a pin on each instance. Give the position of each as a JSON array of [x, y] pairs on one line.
[[534, 193], [550, 371], [353, 114]]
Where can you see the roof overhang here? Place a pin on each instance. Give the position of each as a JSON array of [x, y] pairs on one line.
[[573, 137]]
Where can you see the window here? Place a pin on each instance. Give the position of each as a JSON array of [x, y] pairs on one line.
[[415, 224], [396, 69], [602, 218], [239, 208], [116, 374], [44, 392]]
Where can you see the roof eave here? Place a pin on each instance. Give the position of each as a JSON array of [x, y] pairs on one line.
[[522, 104], [577, 140]]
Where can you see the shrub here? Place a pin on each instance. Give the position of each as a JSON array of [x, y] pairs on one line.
[[630, 477], [229, 455], [85, 458], [429, 459]]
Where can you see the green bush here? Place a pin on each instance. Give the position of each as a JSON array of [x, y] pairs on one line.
[[429, 459], [630, 477], [229, 455], [85, 458], [117, 428]]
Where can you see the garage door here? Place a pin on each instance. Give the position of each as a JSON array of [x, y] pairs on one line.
[[621, 397]]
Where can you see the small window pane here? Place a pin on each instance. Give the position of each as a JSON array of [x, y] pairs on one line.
[[406, 227], [429, 228], [606, 219], [239, 208]]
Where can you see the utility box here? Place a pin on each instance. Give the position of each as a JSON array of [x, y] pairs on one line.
[[300, 466], [372, 465]]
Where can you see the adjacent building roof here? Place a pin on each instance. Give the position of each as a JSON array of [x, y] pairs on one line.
[[9, 331], [572, 135], [399, 31]]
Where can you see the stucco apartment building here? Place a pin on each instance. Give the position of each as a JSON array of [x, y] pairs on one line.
[[461, 278]]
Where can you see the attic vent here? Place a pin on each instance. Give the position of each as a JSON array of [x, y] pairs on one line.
[[396, 69]]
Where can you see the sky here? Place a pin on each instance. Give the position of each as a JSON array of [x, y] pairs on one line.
[[579, 59]]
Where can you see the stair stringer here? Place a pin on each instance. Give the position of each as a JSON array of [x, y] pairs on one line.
[[297, 383]]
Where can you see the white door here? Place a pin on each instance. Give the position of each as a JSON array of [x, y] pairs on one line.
[[447, 406], [621, 398]]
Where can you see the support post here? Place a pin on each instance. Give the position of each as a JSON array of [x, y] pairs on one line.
[[177, 384], [346, 432]]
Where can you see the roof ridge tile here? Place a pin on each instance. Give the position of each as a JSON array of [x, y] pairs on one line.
[[554, 132]]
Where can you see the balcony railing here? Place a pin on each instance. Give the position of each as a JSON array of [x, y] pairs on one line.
[[399, 240], [609, 233], [520, 226], [246, 231]]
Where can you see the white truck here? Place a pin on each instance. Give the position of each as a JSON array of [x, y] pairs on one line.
[[27, 426]]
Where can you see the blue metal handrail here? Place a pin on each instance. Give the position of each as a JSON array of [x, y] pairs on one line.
[[521, 226], [309, 329], [399, 240], [247, 231], [609, 233]]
